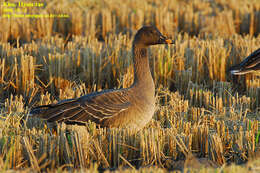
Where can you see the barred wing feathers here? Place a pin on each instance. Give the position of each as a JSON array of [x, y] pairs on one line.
[[95, 107]]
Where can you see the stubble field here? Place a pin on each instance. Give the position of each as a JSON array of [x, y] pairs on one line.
[[205, 118]]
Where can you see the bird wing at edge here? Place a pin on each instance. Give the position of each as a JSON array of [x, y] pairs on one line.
[[252, 60]]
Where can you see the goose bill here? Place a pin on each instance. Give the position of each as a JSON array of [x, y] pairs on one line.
[[169, 41]]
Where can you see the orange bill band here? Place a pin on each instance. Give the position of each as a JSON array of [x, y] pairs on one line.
[[168, 41]]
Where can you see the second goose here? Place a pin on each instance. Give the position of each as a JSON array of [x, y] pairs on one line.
[[248, 65]]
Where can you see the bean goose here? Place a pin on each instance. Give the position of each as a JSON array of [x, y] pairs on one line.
[[131, 107]]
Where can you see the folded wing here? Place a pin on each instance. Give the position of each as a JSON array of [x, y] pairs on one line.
[[250, 64], [94, 107]]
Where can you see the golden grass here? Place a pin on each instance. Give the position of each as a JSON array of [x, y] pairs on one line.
[[111, 16], [204, 116]]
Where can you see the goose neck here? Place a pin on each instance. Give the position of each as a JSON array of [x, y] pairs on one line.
[[142, 74]]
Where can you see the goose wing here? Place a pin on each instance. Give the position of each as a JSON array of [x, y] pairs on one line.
[[95, 107], [252, 60], [251, 63]]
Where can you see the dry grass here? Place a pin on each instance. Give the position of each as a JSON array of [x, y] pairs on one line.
[[204, 117], [111, 16]]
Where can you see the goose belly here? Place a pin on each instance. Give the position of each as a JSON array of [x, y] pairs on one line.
[[135, 117], [140, 115]]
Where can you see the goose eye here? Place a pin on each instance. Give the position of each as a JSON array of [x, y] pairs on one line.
[[161, 37]]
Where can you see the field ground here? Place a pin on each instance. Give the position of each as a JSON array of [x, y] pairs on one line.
[[204, 117]]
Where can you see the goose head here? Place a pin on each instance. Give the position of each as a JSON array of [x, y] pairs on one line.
[[150, 35]]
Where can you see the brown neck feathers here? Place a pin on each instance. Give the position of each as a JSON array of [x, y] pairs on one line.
[[142, 72]]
